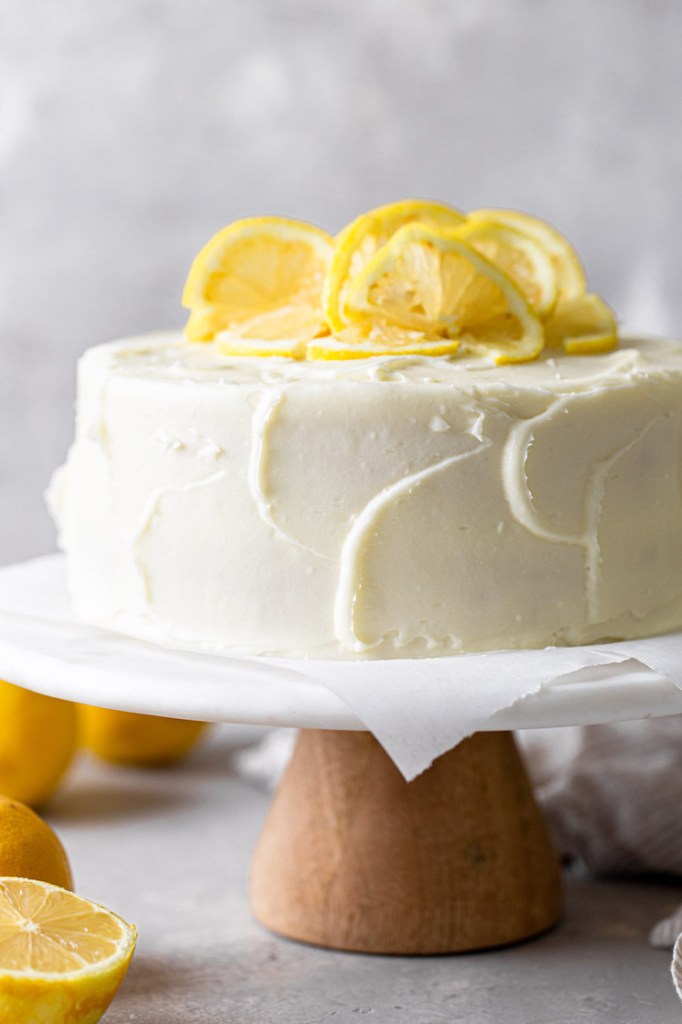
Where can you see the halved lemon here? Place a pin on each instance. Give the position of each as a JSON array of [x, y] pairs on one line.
[[519, 256], [259, 267], [570, 275], [429, 280], [376, 338], [582, 326], [62, 958], [360, 240]]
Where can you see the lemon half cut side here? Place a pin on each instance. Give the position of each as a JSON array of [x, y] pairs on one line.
[[62, 958]]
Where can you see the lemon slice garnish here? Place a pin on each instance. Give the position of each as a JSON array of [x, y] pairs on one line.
[[570, 275], [377, 338], [260, 277], [519, 256], [360, 240], [62, 958], [582, 326], [428, 280], [283, 332], [411, 277]]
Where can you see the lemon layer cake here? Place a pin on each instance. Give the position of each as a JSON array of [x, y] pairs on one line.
[[394, 506], [417, 438]]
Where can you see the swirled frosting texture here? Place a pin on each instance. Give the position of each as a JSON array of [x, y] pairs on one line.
[[390, 507]]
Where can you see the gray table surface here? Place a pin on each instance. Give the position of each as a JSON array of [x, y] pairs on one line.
[[170, 850]]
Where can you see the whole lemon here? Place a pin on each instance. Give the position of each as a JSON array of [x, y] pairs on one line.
[[29, 848], [139, 740], [37, 741]]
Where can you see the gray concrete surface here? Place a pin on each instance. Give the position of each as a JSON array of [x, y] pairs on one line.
[[170, 851], [130, 132]]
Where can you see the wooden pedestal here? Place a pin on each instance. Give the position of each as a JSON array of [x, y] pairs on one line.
[[353, 857]]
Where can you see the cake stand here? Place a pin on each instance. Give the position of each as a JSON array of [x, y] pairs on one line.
[[351, 856]]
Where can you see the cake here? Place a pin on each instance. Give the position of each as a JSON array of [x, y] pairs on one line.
[[400, 504]]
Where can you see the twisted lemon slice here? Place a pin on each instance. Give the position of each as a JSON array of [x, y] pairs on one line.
[[360, 240], [570, 275], [257, 286], [519, 256], [379, 338], [62, 958], [582, 325], [429, 280]]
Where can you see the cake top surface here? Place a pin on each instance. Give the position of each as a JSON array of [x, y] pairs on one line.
[[169, 356]]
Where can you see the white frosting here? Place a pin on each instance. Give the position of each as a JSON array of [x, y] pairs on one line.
[[397, 506]]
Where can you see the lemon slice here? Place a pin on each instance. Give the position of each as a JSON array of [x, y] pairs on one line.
[[374, 338], [62, 958], [520, 257], [570, 275], [429, 280], [583, 326], [361, 239], [262, 267], [283, 332]]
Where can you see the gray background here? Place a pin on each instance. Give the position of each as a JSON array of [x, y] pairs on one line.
[[131, 131]]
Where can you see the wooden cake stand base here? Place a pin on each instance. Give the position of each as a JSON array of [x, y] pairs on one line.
[[353, 857]]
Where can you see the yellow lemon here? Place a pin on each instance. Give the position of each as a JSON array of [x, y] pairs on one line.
[[570, 275], [360, 240], [132, 739], [582, 326], [376, 338], [429, 280], [520, 257], [37, 742], [62, 958], [259, 279], [29, 848], [284, 332]]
